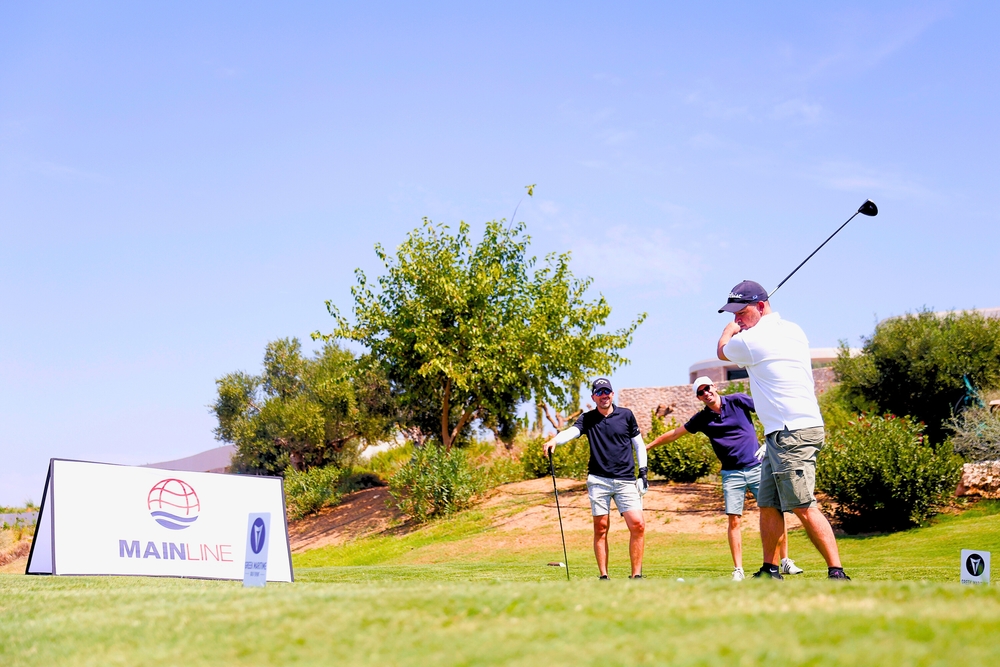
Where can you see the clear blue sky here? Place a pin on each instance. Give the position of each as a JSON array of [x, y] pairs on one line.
[[182, 182]]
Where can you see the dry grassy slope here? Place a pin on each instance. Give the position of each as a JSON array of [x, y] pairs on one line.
[[670, 508]]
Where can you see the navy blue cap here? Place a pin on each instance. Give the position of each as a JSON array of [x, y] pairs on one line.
[[745, 293], [600, 383]]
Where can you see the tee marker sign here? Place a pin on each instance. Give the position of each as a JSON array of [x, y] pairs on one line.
[[975, 567]]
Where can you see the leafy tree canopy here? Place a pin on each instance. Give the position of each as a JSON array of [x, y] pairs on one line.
[[468, 331], [301, 411], [916, 365]]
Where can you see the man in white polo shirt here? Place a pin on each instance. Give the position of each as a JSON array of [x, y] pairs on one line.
[[775, 353]]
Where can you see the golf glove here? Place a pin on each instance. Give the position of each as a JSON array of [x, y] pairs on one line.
[[642, 484], [759, 454]]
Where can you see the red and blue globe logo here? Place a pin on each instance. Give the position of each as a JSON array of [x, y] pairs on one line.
[[173, 504]]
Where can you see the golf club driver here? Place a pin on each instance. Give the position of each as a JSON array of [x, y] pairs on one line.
[[868, 208], [552, 469]]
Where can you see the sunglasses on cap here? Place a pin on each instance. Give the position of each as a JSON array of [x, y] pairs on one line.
[[602, 392], [704, 390]]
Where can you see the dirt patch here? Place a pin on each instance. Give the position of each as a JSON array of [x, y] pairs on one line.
[[361, 514], [527, 506], [15, 553], [668, 508]]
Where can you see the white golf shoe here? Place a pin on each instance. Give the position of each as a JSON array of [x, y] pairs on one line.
[[788, 566], [738, 574]]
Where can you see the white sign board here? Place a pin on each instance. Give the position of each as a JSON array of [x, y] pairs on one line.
[[100, 519], [255, 563], [975, 567]]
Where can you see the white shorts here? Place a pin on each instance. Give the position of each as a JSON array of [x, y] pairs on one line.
[[602, 489]]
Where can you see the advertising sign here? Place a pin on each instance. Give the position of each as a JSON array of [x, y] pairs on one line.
[[975, 567], [98, 518]]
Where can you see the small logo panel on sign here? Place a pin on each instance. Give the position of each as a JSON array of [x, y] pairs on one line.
[[173, 504], [258, 533]]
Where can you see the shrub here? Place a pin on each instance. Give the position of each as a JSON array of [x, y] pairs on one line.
[[311, 490], [569, 460], [683, 460], [435, 482], [884, 475], [976, 434], [502, 469], [386, 463], [917, 365]]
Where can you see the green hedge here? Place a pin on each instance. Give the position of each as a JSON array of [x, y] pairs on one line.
[[884, 475]]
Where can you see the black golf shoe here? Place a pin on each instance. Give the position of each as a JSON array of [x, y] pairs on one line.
[[837, 573], [764, 573], [604, 577]]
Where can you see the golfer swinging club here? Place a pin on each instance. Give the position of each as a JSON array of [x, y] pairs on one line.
[[615, 448], [775, 353], [727, 422]]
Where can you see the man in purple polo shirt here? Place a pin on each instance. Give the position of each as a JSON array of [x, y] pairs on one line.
[[727, 422]]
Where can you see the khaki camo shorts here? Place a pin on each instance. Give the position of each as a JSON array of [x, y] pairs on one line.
[[788, 474]]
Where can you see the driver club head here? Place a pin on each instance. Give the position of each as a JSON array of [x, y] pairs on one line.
[[868, 208]]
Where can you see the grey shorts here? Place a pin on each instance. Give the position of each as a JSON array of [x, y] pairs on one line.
[[736, 483], [788, 474], [602, 489]]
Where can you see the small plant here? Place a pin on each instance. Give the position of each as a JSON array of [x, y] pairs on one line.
[[570, 459], [684, 460], [311, 490], [884, 475], [976, 434], [435, 482]]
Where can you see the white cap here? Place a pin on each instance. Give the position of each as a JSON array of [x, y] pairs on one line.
[[704, 379]]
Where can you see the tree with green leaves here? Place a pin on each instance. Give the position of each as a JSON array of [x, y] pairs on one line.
[[918, 365], [467, 331], [302, 411]]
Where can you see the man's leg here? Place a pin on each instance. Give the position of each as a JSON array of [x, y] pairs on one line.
[[819, 531], [772, 527], [735, 539], [599, 490], [783, 545], [636, 538], [601, 525]]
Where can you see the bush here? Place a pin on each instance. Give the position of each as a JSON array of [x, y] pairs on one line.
[[502, 469], [683, 460], [435, 482], [884, 475], [569, 460], [309, 491], [976, 434], [386, 463], [917, 365]]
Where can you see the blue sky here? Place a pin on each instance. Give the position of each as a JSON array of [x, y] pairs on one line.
[[182, 182]]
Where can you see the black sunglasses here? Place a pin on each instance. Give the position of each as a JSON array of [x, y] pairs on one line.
[[702, 392], [602, 392]]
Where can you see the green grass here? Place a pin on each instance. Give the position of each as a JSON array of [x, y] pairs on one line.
[[460, 592]]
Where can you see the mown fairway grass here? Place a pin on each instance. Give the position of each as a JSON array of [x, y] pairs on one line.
[[458, 593]]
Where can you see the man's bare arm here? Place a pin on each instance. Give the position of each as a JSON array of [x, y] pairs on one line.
[[669, 436], [727, 335]]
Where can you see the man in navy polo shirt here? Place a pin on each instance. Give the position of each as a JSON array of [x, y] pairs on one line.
[[615, 448], [727, 422]]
